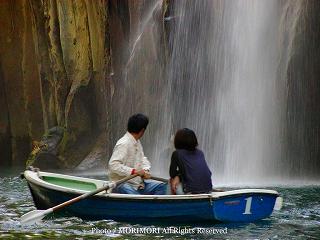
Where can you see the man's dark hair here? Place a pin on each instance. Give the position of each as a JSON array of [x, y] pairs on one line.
[[137, 122], [185, 139]]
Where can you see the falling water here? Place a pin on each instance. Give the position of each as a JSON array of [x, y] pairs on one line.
[[225, 57], [225, 77], [142, 86]]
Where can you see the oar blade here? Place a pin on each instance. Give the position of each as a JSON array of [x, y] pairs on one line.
[[34, 216]]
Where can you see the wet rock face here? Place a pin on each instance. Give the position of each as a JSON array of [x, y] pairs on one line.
[[53, 65], [21, 111], [303, 111], [45, 153], [61, 65]]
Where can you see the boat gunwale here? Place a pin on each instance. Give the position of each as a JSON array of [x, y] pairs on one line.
[[34, 177]]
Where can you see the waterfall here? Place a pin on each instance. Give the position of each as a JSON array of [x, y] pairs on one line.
[[225, 78], [140, 84]]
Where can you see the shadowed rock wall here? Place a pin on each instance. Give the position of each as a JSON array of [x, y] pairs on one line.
[[54, 59], [61, 67], [303, 109]]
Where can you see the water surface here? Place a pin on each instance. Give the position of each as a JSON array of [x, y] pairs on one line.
[[298, 219]]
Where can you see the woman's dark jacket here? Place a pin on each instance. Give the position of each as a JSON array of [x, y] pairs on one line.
[[192, 169]]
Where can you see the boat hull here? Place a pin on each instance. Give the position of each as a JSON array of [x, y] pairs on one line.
[[244, 208], [99, 207], [245, 205]]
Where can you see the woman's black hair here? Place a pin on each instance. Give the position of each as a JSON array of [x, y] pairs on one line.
[[185, 139], [137, 122]]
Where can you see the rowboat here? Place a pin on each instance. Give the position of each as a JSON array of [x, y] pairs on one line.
[[244, 205]]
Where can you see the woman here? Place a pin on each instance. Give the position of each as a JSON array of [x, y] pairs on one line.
[[188, 165]]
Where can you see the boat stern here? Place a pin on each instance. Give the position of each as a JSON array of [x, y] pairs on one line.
[[244, 205]]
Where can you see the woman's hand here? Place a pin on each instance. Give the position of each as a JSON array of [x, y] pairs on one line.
[[174, 182]]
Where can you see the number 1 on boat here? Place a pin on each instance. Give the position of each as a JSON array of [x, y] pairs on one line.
[[248, 205]]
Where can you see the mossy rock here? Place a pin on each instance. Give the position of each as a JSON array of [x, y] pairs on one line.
[[44, 155]]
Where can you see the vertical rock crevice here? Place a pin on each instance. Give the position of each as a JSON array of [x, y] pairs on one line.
[[11, 54], [54, 60]]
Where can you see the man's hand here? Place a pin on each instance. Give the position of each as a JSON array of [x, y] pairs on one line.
[[147, 175], [144, 174]]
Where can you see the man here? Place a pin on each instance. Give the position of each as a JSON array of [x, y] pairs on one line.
[[128, 159]]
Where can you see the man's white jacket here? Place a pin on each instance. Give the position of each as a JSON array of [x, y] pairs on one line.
[[128, 155]]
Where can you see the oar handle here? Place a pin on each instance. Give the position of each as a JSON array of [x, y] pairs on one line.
[[83, 196]]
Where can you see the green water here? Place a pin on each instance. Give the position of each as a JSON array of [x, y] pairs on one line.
[[298, 219]]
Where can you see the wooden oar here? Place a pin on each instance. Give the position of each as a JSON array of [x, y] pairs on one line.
[[166, 180], [36, 215], [159, 179]]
